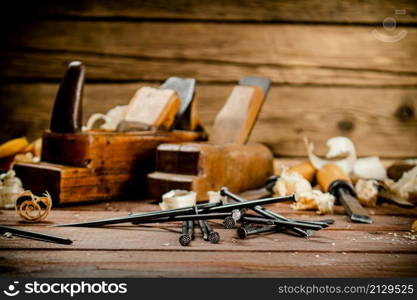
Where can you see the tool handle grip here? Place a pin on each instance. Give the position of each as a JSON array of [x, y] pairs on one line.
[[67, 111], [330, 173]]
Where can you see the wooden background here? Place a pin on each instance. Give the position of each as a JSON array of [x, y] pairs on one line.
[[331, 76]]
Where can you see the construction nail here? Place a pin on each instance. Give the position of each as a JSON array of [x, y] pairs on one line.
[[244, 231], [203, 229], [184, 239], [229, 222], [279, 222], [191, 229], [214, 237]]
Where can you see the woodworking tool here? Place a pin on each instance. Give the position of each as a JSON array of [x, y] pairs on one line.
[[98, 164], [34, 235], [385, 193], [226, 159], [185, 118], [332, 179]]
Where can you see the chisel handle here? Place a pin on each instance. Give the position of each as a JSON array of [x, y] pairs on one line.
[[332, 179], [305, 169], [329, 174]]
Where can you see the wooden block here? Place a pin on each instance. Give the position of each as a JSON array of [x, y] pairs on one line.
[[236, 119], [153, 108], [74, 184], [204, 167]]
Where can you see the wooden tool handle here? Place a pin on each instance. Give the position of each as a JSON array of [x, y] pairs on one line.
[[305, 169], [67, 111], [235, 121], [330, 173]]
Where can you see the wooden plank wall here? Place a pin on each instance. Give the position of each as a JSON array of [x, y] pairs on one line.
[[331, 75]]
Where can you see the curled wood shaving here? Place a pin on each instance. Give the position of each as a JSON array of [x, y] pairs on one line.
[[367, 192], [322, 202], [291, 182], [406, 187], [111, 118], [178, 199], [10, 189], [33, 208], [341, 152]]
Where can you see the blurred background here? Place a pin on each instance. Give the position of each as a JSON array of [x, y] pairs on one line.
[[338, 67]]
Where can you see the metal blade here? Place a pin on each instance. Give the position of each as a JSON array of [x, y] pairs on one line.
[[184, 87], [353, 208], [264, 83]]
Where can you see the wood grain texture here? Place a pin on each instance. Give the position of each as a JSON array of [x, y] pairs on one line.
[[235, 121], [141, 238], [288, 54], [344, 249], [201, 264], [380, 121], [346, 11], [153, 107]]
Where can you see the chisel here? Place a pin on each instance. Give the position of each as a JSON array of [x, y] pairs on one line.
[[332, 179]]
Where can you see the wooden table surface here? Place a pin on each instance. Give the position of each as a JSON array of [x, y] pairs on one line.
[[383, 249]]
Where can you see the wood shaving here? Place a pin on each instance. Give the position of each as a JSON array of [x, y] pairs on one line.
[[291, 182], [414, 226], [178, 199], [111, 119], [406, 187], [10, 189], [367, 192], [341, 152], [369, 168], [32, 208], [314, 199]]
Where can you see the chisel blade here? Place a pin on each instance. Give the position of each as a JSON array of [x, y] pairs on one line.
[[353, 208]]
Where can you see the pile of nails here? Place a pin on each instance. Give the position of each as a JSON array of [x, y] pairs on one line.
[[188, 232], [271, 221], [230, 213]]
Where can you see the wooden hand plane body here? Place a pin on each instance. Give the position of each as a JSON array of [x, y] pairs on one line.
[[78, 166], [226, 159]]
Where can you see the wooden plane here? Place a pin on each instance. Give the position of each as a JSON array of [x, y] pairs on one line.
[[79, 166], [226, 159]]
